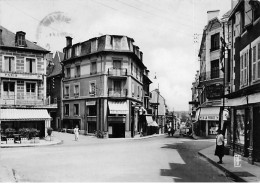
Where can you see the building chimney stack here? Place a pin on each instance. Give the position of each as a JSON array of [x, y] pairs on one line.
[[68, 41], [212, 14]]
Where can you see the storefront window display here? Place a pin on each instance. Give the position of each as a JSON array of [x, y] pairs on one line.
[[213, 128], [240, 127]]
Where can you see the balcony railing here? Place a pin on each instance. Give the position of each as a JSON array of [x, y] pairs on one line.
[[205, 76], [25, 100], [117, 72], [117, 93]]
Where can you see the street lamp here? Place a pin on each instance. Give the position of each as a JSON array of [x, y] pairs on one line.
[[158, 93]]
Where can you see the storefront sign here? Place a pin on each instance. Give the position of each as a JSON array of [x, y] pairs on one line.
[[210, 118], [90, 103], [21, 75]]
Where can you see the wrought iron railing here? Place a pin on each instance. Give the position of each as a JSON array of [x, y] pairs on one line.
[[117, 93], [216, 74], [117, 71], [30, 100]]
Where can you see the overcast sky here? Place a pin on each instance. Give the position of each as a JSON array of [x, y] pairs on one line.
[[163, 29]]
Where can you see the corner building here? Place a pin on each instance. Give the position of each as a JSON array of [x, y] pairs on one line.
[[23, 102], [103, 85]]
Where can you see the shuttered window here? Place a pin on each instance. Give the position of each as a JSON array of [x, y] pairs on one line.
[[30, 65], [9, 64]]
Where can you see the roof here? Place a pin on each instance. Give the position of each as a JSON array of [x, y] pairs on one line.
[[8, 39], [24, 114], [57, 68]]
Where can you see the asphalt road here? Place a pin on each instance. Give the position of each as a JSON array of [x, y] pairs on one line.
[[157, 159]]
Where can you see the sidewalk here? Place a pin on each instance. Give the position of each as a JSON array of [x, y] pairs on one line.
[[42, 142], [245, 173]]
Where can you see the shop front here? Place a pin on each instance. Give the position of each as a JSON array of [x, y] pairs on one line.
[[118, 111], [208, 121], [25, 118]]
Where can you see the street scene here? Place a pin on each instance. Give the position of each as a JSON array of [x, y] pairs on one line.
[[119, 91]]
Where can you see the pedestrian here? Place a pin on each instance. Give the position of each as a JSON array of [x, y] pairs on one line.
[[219, 146], [76, 133], [172, 131], [169, 130]]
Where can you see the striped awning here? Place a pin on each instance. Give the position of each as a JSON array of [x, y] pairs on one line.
[[209, 113], [118, 107], [23, 114]]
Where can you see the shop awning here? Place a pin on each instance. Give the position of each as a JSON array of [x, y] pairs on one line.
[[23, 114], [209, 113], [118, 107], [151, 122]]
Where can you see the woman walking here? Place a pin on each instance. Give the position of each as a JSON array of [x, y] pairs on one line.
[[76, 133], [219, 146]]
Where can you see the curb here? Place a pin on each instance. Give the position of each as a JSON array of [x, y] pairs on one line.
[[32, 145], [227, 172]]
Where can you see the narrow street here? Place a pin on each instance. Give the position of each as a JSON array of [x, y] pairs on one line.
[[157, 159]]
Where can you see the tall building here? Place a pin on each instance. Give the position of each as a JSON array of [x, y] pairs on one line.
[[22, 83], [103, 88], [211, 87], [243, 67], [54, 88], [159, 109]]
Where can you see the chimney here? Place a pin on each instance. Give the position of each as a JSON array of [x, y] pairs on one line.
[[212, 14], [233, 3], [1, 37], [68, 41]]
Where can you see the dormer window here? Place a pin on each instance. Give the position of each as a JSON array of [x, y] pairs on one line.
[[20, 39]]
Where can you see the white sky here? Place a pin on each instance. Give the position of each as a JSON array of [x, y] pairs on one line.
[[163, 29]]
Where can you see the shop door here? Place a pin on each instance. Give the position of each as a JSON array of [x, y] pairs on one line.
[[256, 134], [118, 130]]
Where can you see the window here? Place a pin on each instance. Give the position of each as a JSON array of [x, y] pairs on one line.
[[30, 65], [215, 42], [248, 13], [9, 64], [237, 25], [243, 68], [214, 69], [76, 109], [77, 71], [240, 126], [93, 68], [138, 91], [92, 88], [8, 88], [117, 64], [133, 89], [67, 72], [67, 91], [66, 109], [76, 90], [132, 68], [136, 71], [30, 88], [77, 50], [21, 39], [92, 110], [256, 62]]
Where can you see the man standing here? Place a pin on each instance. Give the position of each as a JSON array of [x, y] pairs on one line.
[[76, 133]]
